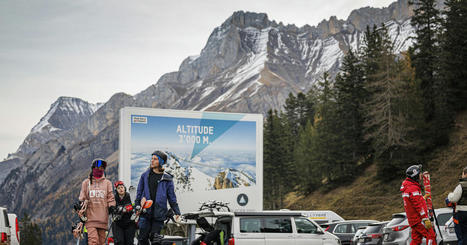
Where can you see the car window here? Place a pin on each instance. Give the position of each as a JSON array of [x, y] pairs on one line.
[[5, 216], [353, 229], [305, 226], [358, 225], [249, 225], [277, 225], [341, 228], [396, 220], [443, 218], [372, 229]]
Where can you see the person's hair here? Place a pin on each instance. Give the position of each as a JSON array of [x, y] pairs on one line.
[[90, 177], [465, 170]]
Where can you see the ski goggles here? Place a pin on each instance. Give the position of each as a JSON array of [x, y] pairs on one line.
[[97, 163], [116, 184]]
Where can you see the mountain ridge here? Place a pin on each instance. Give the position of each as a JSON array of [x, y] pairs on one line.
[[249, 64]]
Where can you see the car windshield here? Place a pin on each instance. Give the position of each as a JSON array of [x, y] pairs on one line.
[[372, 229], [358, 225], [443, 218], [396, 220]]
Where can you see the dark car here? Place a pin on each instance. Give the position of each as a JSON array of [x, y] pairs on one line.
[[346, 230], [357, 235], [373, 234]]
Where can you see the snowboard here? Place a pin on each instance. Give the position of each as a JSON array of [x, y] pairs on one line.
[[427, 188]]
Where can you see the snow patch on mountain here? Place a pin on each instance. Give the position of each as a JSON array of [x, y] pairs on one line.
[[251, 68]]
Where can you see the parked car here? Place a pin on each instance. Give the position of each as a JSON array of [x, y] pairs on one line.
[[398, 232], [5, 233], [449, 235], [260, 228], [357, 235], [373, 234], [346, 230], [14, 229]]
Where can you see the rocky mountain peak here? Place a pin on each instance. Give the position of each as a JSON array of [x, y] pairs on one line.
[[64, 114], [243, 19]]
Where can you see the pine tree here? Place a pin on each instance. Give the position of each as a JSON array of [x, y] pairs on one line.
[[30, 233], [392, 109], [350, 93], [425, 50], [454, 53], [277, 161], [328, 160], [308, 176]]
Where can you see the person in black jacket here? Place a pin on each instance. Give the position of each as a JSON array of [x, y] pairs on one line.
[[123, 227]]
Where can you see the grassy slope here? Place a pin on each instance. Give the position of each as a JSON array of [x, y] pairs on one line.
[[366, 198]]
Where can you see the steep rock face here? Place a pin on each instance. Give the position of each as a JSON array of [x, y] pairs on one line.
[[249, 64], [64, 114], [58, 160]]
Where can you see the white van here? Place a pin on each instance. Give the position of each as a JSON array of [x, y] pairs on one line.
[[14, 229], [322, 216], [261, 228], [5, 234]]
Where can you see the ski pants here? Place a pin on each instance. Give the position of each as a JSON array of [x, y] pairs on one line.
[[419, 232], [96, 236], [457, 228], [124, 235], [462, 217], [148, 226]]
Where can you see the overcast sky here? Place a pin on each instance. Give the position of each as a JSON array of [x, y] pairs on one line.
[[92, 49]]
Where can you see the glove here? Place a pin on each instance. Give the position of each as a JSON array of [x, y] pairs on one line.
[[112, 210], [448, 203], [427, 223]]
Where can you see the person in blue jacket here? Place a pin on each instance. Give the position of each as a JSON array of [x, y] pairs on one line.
[[158, 186]]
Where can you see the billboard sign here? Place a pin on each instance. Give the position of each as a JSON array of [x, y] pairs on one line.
[[212, 155]]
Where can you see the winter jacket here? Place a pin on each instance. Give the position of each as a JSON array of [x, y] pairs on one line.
[[165, 193], [126, 200], [100, 197], [459, 196], [414, 203]]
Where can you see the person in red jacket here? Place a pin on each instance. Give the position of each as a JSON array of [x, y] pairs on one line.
[[415, 207]]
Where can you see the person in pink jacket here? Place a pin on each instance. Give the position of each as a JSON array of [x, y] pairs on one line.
[[97, 193]]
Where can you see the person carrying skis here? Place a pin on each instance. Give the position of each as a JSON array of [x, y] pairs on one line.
[[459, 196], [123, 228], [415, 207], [154, 184], [97, 192]]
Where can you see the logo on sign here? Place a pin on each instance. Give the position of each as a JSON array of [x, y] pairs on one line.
[[242, 199], [143, 120]]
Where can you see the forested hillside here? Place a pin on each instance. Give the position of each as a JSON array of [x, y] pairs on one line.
[[382, 113]]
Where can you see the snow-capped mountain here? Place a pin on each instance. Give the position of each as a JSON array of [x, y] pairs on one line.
[[64, 114], [232, 178], [189, 177], [249, 64]]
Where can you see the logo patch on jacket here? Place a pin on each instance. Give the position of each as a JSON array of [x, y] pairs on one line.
[[97, 193]]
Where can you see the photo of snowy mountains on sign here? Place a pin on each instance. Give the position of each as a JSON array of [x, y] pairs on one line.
[[198, 175], [202, 154]]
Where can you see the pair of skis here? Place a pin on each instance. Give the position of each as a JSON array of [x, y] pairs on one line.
[[429, 200]]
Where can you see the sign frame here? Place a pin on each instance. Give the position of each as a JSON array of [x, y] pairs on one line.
[[254, 193]]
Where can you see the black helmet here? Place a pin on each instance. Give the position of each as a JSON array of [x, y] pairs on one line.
[[99, 162], [160, 154], [413, 171]]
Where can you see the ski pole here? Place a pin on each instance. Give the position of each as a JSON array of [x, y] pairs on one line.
[[108, 231]]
